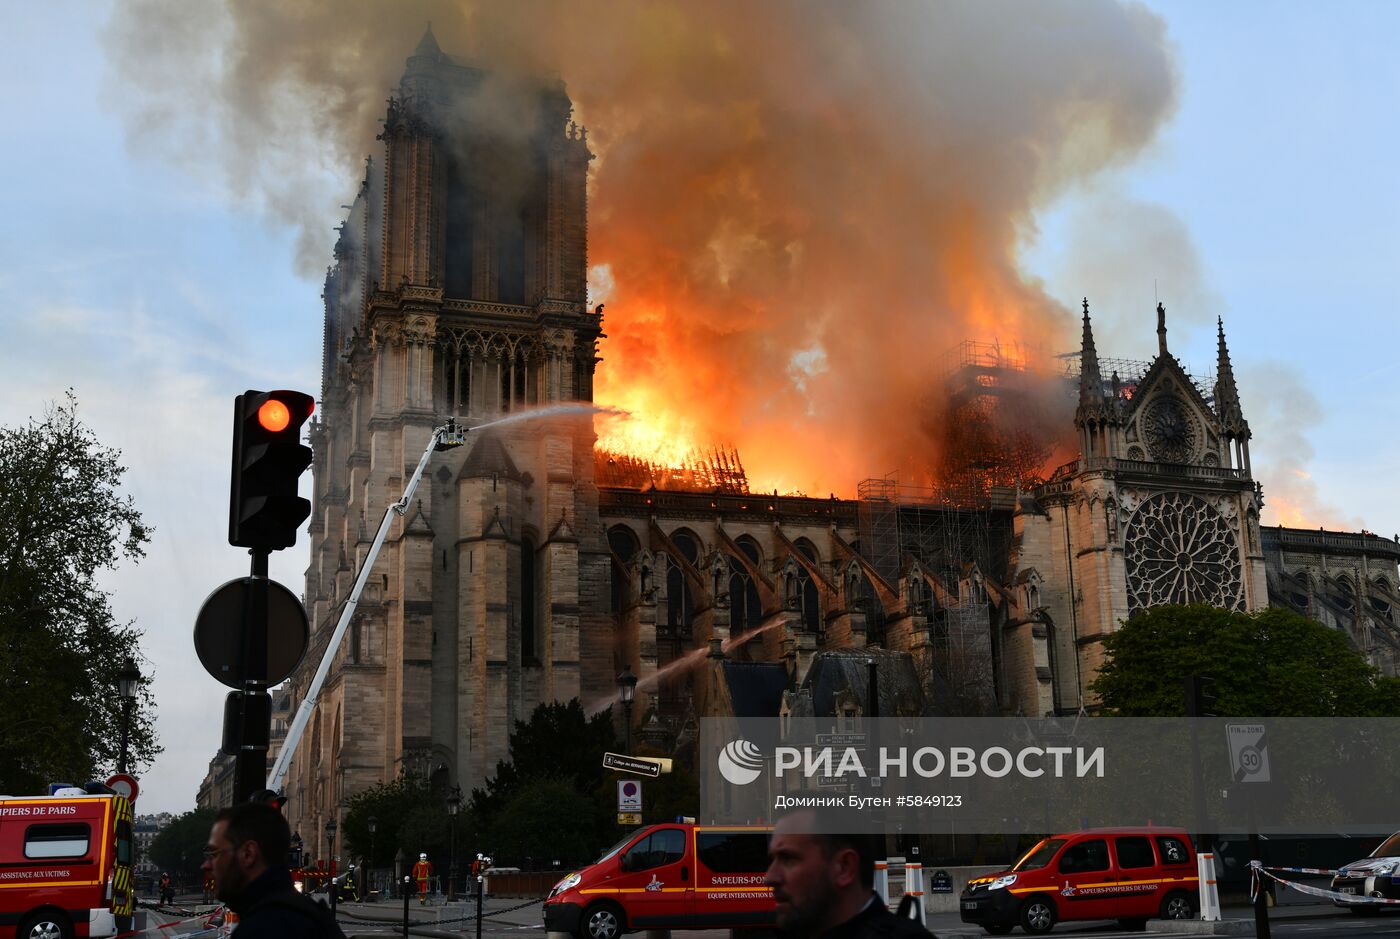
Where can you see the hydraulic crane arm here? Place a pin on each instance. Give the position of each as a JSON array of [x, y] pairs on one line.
[[443, 438]]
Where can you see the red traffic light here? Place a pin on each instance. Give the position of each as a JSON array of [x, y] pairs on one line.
[[274, 416]]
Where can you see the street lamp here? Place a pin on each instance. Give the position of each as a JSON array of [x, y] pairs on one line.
[[627, 690], [128, 680], [330, 849], [295, 859], [454, 804], [373, 824]]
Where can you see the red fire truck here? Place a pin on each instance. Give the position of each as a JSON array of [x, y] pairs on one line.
[[65, 865]]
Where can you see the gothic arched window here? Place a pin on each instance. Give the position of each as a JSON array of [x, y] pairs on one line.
[[810, 604], [680, 601], [625, 546]]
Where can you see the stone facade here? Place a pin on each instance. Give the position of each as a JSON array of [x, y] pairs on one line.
[[513, 578]]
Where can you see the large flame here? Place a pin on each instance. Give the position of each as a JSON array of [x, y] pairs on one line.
[[797, 206]]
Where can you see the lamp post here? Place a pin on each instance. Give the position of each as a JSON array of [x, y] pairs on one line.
[[627, 690], [373, 824], [295, 859], [128, 680], [454, 805], [330, 849]]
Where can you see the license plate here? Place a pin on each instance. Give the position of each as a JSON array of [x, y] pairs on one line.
[[969, 904], [1346, 890]]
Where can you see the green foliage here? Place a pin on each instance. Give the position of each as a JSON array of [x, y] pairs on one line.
[[557, 742], [561, 745], [178, 848], [545, 821], [62, 523], [409, 816], [1273, 663]]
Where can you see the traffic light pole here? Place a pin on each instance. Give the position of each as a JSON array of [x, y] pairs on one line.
[[251, 761], [443, 438]]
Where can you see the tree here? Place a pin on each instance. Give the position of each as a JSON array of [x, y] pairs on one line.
[[1272, 663], [557, 742], [409, 816], [62, 523], [179, 847], [562, 745], [545, 821]]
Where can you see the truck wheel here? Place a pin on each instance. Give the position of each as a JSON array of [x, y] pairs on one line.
[[601, 921], [1178, 905], [46, 924], [1038, 915]]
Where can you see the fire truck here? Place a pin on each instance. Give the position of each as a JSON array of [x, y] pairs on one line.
[[65, 864]]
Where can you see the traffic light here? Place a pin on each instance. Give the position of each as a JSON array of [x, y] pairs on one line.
[[268, 458], [1200, 696]]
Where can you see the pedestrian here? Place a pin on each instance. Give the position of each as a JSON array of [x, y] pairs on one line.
[[167, 889], [824, 884], [422, 871], [246, 858]]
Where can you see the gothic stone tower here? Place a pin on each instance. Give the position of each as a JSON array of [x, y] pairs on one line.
[[1159, 508], [458, 290]]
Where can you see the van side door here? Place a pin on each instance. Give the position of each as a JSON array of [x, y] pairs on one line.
[[1086, 881], [1140, 887], [655, 880], [729, 870]]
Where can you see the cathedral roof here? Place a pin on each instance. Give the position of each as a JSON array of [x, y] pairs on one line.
[[846, 670], [488, 458], [755, 688]]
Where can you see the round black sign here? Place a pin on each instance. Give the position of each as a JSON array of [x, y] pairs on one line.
[[218, 632]]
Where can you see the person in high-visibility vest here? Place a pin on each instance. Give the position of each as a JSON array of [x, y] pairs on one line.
[[421, 872]]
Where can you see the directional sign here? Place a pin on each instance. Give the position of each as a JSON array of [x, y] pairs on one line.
[[1249, 752], [629, 796], [631, 764]]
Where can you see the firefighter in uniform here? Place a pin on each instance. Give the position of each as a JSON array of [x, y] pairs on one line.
[[421, 872]]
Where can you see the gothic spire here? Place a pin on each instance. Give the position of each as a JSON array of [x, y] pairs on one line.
[[1227, 396], [428, 44], [1161, 330], [1090, 381]]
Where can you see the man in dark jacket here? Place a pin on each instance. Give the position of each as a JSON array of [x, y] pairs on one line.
[[246, 857], [824, 884]]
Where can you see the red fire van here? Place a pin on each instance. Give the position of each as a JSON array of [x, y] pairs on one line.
[[674, 876], [1127, 874], [65, 865]]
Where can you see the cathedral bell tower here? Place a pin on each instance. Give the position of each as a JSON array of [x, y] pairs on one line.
[[458, 290]]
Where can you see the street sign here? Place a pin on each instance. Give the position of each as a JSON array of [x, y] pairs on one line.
[[124, 784], [1249, 752], [218, 632], [637, 766], [629, 796], [629, 818]]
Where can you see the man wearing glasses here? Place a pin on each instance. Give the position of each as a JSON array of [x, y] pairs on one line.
[[246, 858]]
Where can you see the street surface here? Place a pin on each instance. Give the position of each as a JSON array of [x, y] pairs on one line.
[[386, 919]]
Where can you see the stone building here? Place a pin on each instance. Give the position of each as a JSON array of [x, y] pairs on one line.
[[529, 568]]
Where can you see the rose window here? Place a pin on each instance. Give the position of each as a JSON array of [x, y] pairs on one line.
[[1179, 549], [1170, 430]]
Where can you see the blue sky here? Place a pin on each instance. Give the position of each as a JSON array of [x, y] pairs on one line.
[[1269, 198]]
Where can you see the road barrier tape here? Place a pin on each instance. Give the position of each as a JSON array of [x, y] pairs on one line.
[[1256, 870]]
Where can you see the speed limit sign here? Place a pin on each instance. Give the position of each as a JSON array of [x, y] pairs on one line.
[[1249, 752]]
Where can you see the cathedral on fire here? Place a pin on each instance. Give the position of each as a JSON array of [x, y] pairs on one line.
[[534, 567]]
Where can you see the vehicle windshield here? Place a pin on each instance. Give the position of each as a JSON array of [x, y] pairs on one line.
[[1390, 847], [1039, 856], [626, 839]]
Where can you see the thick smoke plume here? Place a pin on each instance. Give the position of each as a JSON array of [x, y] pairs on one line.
[[796, 209]]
